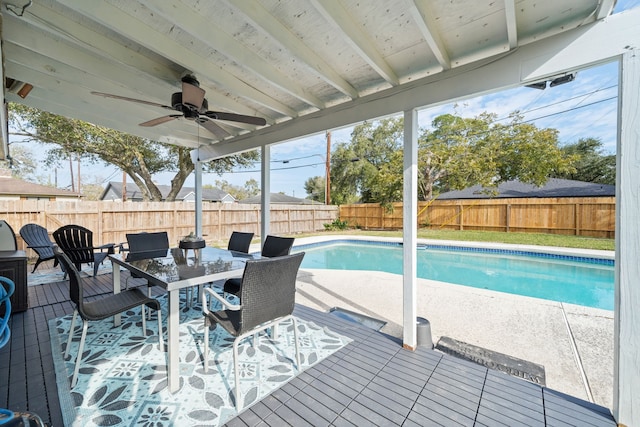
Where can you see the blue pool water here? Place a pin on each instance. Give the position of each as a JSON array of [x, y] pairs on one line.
[[582, 281]]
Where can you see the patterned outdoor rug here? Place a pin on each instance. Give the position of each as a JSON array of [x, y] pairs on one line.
[[123, 381]]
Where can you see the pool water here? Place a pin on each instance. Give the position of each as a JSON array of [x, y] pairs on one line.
[[564, 279]]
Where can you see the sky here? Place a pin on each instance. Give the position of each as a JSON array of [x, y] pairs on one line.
[[584, 108]]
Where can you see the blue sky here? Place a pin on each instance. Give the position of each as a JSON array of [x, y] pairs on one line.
[[586, 107]]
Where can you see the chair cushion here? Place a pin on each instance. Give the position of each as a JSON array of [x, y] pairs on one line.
[[228, 319], [117, 303], [232, 286]]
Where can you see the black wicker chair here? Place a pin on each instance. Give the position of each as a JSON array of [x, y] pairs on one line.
[[240, 242], [140, 243], [277, 246], [77, 243], [101, 308], [274, 246], [267, 298], [37, 238]]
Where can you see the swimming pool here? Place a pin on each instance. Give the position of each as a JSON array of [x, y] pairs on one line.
[[576, 280]]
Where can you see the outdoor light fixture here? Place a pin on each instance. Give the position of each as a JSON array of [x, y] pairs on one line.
[[553, 82], [562, 80], [24, 90], [539, 85]]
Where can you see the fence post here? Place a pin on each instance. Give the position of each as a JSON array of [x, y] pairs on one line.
[[577, 218], [219, 236], [460, 210], [175, 223], [508, 219], [100, 220]]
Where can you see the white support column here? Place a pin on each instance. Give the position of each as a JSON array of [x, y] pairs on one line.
[[626, 388], [265, 188], [198, 203], [410, 229]]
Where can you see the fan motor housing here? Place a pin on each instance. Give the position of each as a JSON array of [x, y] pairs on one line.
[[189, 111]]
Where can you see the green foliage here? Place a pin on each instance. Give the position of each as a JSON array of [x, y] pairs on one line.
[[250, 188], [455, 153], [22, 162], [592, 164], [366, 169], [315, 188], [140, 158], [462, 152], [336, 225]]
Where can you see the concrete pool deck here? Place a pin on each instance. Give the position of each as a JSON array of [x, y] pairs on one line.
[[573, 343]]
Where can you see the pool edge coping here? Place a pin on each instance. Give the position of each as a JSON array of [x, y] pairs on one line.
[[551, 250]]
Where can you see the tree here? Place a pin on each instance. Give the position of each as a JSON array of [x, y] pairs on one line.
[[455, 153], [366, 168], [21, 162], [592, 165], [462, 152], [315, 188], [140, 158], [250, 188]]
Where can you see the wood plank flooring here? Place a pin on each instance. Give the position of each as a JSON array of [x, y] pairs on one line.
[[372, 381]]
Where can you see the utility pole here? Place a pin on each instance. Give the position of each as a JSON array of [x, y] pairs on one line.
[[78, 175], [327, 172], [124, 186], [73, 181]]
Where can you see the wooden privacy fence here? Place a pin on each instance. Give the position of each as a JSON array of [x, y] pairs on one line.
[[111, 221], [580, 216]]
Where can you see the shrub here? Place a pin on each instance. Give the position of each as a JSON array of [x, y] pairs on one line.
[[336, 225]]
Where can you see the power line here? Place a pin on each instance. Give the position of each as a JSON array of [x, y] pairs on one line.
[[279, 169]]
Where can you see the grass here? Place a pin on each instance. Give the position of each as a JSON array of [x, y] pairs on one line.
[[492, 236]]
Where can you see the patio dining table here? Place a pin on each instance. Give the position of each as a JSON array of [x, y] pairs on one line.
[[173, 270]]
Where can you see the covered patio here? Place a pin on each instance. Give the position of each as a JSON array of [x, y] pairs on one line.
[[309, 67], [372, 381]]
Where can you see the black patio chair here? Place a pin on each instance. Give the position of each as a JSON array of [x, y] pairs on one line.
[[102, 308], [77, 243], [37, 238], [277, 246], [240, 241], [267, 298], [150, 243], [274, 246], [145, 242]]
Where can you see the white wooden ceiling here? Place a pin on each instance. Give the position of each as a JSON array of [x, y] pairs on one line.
[[282, 60]]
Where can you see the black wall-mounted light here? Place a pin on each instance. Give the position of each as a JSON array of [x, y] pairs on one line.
[[562, 80], [553, 82], [539, 85]]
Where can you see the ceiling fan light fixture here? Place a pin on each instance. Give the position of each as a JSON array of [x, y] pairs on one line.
[[192, 94]]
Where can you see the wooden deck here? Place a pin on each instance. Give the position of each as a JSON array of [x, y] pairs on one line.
[[371, 382]]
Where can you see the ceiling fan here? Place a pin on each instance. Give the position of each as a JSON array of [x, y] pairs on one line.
[[192, 105]]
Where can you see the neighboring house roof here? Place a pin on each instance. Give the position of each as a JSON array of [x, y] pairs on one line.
[[279, 198], [113, 191], [14, 187], [554, 187]]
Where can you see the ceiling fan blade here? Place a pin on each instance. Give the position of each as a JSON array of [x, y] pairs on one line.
[[192, 95], [124, 98], [232, 117], [213, 128], [160, 120]]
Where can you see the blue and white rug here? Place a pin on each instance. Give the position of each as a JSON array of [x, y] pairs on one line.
[[123, 379]]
